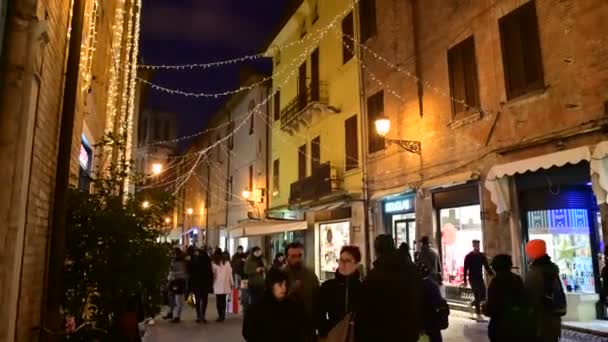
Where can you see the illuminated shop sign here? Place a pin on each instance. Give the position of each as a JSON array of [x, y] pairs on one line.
[[559, 221], [405, 204]]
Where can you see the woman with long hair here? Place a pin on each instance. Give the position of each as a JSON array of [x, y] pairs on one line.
[[222, 281]]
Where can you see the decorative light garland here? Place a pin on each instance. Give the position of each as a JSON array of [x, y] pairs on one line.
[[250, 113], [133, 74], [319, 31], [415, 78], [88, 49]]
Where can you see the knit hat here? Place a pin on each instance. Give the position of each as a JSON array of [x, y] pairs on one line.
[[536, 249]]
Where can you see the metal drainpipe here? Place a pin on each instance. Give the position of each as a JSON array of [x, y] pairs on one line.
[[228, 189], [268, 161], [364, 144], [64, 155]]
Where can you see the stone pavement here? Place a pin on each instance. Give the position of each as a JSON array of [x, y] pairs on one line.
[[462, 329]]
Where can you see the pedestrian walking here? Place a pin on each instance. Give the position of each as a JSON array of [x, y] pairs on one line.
[[474, 263], [200, 281], [340, 298], [222, 281], [255, 270], [404, 251], [303, 286], [435, 311], [238, 265], [279, 261], [510, 316], [430, 258], [276, 317], [390, 307], [178, 281], [545, 293]]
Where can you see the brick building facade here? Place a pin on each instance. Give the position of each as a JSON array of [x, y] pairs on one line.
[[482, 85], [35, 64]]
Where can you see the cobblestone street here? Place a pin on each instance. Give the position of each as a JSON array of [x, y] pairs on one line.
[[462, 329]]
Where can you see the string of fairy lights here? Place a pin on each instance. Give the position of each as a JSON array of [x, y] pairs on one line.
[[319, 31]]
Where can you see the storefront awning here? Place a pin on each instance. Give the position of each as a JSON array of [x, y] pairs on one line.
[[329, 206], [498, 185], [451, 180], [175, 234], [264, 227]]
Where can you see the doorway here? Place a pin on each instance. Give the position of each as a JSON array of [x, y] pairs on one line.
[[405, 231]]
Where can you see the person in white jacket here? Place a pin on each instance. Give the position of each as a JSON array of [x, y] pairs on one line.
[[222, 281]]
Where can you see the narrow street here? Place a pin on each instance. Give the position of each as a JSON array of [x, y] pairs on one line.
[[461, 329]]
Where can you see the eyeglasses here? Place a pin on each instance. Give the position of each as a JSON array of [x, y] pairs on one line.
[[346, 261]]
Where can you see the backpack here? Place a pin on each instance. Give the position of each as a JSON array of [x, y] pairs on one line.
[[555, 297]]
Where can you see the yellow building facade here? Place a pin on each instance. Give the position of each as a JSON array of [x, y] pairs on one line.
[[316, 151]]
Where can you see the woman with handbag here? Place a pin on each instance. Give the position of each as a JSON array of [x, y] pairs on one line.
[[340, 298], [222, 281]]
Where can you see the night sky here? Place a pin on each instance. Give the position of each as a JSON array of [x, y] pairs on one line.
[[201, 31]]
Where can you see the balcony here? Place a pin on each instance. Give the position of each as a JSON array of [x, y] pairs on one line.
[[323, 181], [314, 98]]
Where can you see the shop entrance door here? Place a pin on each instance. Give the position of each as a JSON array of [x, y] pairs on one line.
[[405, 231]]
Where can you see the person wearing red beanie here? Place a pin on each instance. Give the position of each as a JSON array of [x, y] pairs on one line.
[[535, 249], [542, 271]]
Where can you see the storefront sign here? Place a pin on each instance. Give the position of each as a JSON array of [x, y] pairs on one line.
[[559, 221], [405, 204]]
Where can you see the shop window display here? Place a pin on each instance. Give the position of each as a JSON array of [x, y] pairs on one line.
[[459, 227], [334, 236], [566, 233]]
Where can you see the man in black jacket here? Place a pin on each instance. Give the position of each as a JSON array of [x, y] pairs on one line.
[[200, 281], [390, 305], [474, 263]]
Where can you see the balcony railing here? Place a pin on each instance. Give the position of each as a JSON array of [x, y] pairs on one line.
[[322, 182], [315, 93]]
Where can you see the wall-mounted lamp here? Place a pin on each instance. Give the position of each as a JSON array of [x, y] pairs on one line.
[[383, 126]]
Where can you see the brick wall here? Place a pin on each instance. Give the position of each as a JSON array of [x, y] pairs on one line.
[[31, 102]]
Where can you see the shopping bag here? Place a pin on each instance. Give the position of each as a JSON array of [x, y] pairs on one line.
[[191, 300], [343, 331]]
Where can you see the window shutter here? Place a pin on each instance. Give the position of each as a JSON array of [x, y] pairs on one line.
[[277, 105], [351, 143], [302, 162], [315, 153], [347, 43]]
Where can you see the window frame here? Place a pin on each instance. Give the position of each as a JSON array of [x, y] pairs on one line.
[[528, 59], [347, 43], [469, 78], [376, 142], [349, 163]]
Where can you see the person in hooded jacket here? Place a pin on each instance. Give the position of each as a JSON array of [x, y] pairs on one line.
[[390, 303], [200, 281], [276, 318], [506, 290], [542, 270], [341, 295]]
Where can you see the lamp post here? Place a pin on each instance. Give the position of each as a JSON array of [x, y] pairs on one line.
[[189, 212], [383, 126]]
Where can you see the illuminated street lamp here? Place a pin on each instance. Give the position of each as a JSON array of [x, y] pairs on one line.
[[167, 220], [383, 126], [246, 194], [145, 205], [190, 211], [157, 168]]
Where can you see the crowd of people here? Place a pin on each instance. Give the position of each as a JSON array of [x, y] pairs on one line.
[[398, 300]]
